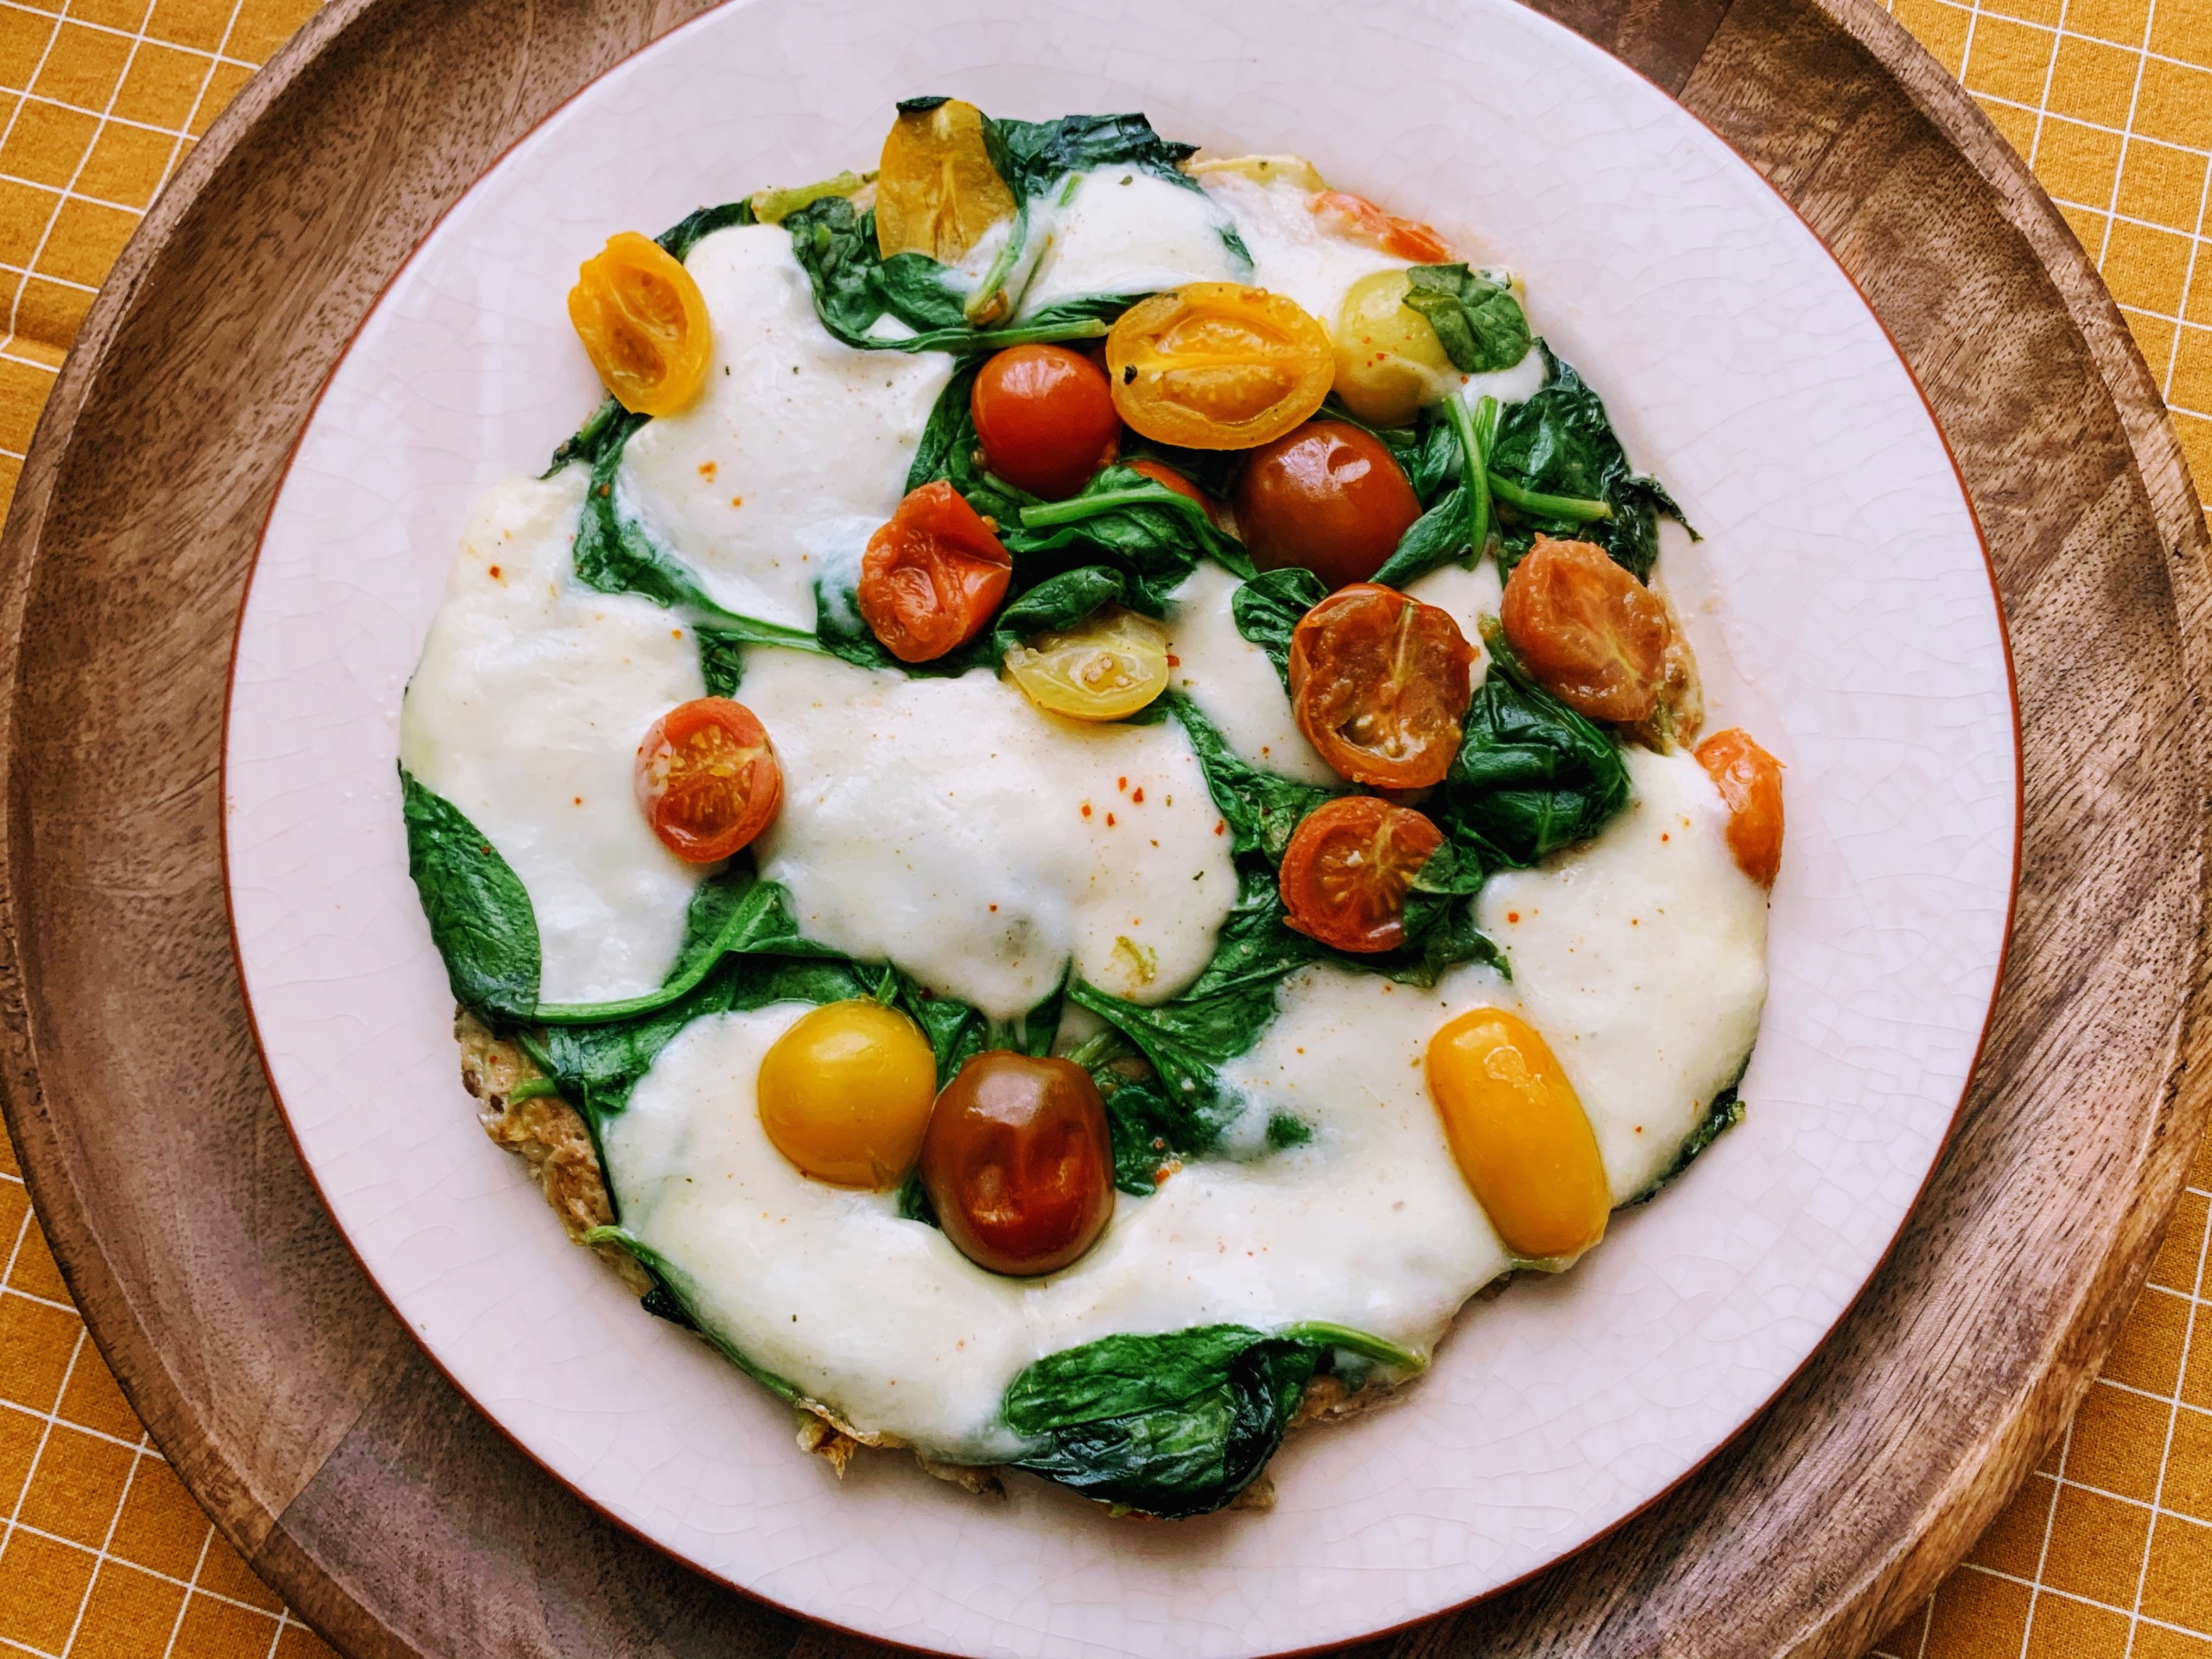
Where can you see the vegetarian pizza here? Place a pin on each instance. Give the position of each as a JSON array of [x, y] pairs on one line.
[[1074, 814]]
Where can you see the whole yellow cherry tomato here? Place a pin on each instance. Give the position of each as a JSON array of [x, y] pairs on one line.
[[643, 323], [937, 191], [1109, 666], [1218, 365], [1519, 1134], [845, 1093], [1390, 362]]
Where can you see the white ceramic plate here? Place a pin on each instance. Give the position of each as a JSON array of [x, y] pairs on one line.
[[1842, 611]]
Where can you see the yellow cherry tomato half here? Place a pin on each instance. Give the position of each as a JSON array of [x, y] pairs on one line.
[[845, 1093], [1218, 365], [1519, 1134], [1390, 362], [643, 324], [1110, 665], [937, 191]]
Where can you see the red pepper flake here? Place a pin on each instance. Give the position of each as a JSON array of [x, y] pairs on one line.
[[494, 573], [1220, 825], [736, 500], [1174, 661], [1138, 798], [706, 470], [994, 909], [1109, 820], [1513, 915], [1121, 783], [1086, 809], [1663, 835]]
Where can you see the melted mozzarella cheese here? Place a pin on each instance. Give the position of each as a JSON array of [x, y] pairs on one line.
[[1642, 958], [1293, 253], [950, 826], [526, 713], [1121, 230], [797, 448]]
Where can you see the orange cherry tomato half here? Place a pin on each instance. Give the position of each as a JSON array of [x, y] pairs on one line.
[[1045, 418], [1326, 496], [1348, 868], [706, 778], [1359, 219], [1379, 684], [1750, 782], [1218, 365], [643, 323], [932, 577], [1167, 478], [1591, 634], [1018, 1162]]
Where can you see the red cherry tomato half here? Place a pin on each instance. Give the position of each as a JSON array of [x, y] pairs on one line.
[[932, 577], [1355, 216], [1327, 496], [1167, 478], [1594, 635], [1348, 868], [1018, 1162], [1750, 782], [1379, 684], [1045, 417], [706, 778]]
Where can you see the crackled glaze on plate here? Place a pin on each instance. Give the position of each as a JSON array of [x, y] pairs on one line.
[[1841, 607]]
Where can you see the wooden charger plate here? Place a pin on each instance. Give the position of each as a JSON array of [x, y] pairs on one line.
[[318, 1435]]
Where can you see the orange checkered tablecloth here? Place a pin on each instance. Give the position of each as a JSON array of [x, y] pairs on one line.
[[2108, 1551]]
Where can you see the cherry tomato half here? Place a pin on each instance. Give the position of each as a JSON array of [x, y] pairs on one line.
[[1327, 496], [1390, 363], [1045, 418], [1354, 216], [706, 778], [1348, 868], [845, 1093], [1105, 668], [1018, 1162], [1167, 478], [936, 189], [1750, 782], [1591, 634], [643, 323], [1218, 365], [932, 577], [1379, 684]]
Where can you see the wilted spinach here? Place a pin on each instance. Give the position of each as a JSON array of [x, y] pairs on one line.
[[1033, 156], [1475, 316], [1267, 610], [480, 914]]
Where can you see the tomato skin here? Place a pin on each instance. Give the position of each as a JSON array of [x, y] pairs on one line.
[[1591, 634], [845, 1094], [1218, 365], [1359, 219], [1379, 684], [706, 778], [1326, 496], [1519, 1134], [932, 577], [1018, 1162], [1045, 417], [1750, 782], [1167, 478], [936, 189], [643, 323], [1348, 868]]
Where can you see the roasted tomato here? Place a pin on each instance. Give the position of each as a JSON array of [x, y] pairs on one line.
[[1167, 478], [1593, 634], [1379, 684], [1045, 418], [932, 577], [937, 191], [1355, 216], [643, 324], [1750, 782], [1519, 1134], [706, 778], [1390, 363], [1106, 668], [1018, 1162], [1218, 365], [1327, 496], [845, 1093], [1348, 868]]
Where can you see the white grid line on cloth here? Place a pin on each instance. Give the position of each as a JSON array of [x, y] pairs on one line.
[[139, 34]]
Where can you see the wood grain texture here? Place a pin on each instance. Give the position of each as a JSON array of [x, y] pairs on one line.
[[400, 1522]]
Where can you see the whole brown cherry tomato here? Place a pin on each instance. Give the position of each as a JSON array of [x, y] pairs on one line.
[[1348, 868], [1379, 684], [1327, 496], [1591, 634], [706, 778], [1045, 417], [1750, 782], [1167, 478], [1020, 1164], [932, 577]]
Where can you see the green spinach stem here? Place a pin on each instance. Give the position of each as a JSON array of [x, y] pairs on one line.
[[1078, 508], [1362, 1343], [1548, 506]]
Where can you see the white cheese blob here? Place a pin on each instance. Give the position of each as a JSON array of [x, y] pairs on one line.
[[1642, 958], [1122, 230], [1293, 254], [797, 447], [949, 825], [525, 712]]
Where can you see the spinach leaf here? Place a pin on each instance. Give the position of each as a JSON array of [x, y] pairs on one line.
[[721, 660], [1474, 315], [673, 1290], [1260, 809], [1724, 1114], [1058, 602], [1268, 608], [957, 1032], [1126, 519], [680, 238], [1458, 526], [480, 914], [1033, 156], [841, 631]]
